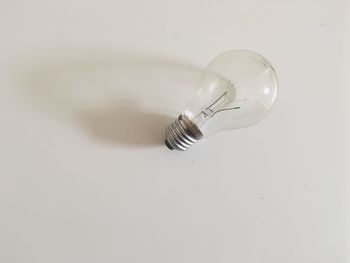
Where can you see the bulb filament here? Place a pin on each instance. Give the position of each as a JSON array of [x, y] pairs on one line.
[[209, 112]]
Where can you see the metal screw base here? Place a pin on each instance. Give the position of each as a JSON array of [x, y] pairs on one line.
[[181, 134]]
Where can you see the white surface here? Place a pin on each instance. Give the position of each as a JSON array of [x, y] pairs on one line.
[[86, 89]]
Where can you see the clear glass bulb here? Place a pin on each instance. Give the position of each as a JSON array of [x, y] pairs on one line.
[[237, 89]]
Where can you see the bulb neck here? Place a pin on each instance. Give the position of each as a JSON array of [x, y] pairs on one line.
[[182, 133]]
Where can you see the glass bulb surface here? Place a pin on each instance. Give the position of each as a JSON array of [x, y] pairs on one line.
[[237, 89]]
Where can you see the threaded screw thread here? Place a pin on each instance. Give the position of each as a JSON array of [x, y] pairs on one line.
[[182, 133]]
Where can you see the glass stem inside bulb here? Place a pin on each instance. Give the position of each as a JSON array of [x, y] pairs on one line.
[[220, 104]]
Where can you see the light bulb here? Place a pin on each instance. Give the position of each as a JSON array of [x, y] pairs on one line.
[[237, 89]]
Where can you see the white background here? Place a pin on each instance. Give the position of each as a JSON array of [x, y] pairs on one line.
[[86, 90]]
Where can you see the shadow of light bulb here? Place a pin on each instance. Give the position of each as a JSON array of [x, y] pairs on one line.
[[118, 99], [125, 125]]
